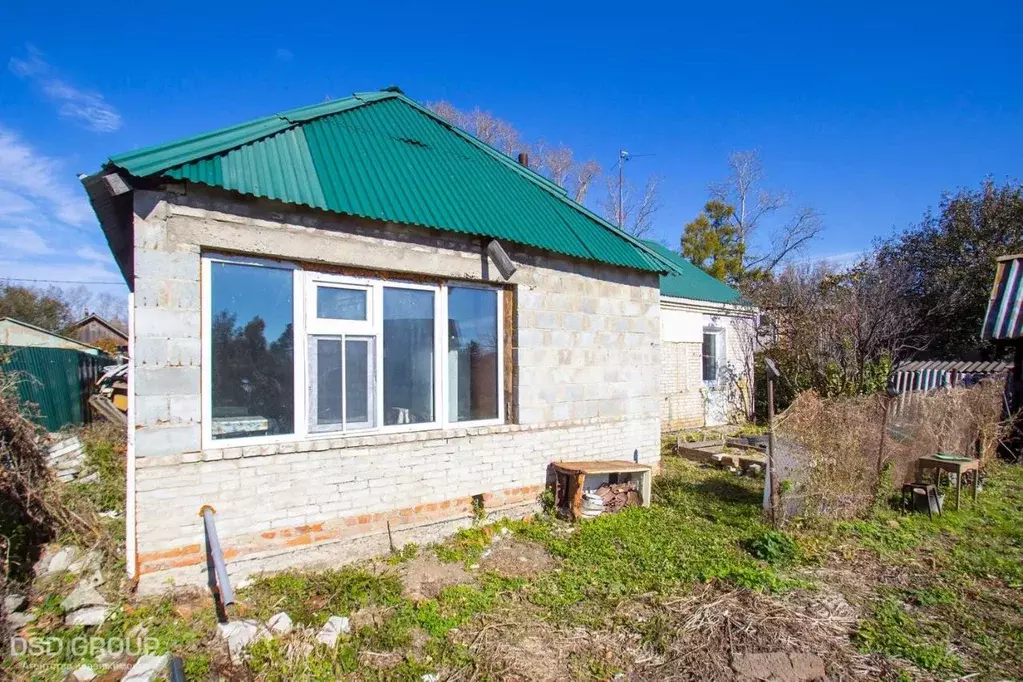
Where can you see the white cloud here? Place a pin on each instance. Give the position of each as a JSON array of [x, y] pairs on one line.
[[87, 253], [284, 54], [84, 107], [48, 234], [26, 174], [14, 204], [22, 240]]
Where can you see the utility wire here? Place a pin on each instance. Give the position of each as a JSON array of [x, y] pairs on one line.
[[56, 281]]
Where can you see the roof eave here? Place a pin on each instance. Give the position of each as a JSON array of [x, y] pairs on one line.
[[114, 212]]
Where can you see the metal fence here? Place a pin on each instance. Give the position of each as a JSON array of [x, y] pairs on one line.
[[56, 382]]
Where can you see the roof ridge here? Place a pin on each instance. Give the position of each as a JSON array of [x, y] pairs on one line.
[[159, 159], [532, 175], [248, 132]]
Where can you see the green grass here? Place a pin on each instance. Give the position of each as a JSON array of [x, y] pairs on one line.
[[892, 631], [958, 610], [311, 598]]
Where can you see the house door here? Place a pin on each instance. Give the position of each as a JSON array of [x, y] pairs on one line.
[[714, 389]]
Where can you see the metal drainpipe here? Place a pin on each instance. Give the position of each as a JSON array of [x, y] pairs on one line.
[[213, 547]]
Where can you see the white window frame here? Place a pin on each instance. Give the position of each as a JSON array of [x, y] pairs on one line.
[[306, 325], [206, 340], [719, 350], [500, 355]]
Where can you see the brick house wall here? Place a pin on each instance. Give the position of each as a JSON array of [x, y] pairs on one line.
[[683, 395], [586, 359]]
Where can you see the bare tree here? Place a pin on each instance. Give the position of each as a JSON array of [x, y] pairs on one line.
[[555, 162], [635, 211], [754, 204], [585, 173]]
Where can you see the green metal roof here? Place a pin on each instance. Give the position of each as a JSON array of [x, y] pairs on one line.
[[690, 281], [382, 156]]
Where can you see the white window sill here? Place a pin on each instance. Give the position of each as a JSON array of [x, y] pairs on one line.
[[290, 444]]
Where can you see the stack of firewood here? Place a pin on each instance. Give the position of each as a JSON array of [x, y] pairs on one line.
[[618, 495]]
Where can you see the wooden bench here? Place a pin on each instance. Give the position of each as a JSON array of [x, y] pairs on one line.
[[570, 479]]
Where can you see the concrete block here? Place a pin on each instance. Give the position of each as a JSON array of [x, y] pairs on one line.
[[159, 441], [167, 381]]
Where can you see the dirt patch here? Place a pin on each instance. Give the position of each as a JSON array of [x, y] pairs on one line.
[[779, 666], [370, 616], [380, 660], [425, 577], [513, 558], [509, 647]]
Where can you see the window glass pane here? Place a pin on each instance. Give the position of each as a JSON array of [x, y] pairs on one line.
[[253, 358], [359, 384], [326, 354], [333, 303], [710, 356], [472, 354], [408, 356]]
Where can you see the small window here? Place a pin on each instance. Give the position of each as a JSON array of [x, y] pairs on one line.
[[710, 356], [252, 353], [336, 303], [341, 373], [408, 346], [472, 354]]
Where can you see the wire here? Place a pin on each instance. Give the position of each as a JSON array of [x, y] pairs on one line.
[[56, 281]]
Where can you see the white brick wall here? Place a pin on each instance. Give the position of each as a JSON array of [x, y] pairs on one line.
[[682, 398], [586, 383]]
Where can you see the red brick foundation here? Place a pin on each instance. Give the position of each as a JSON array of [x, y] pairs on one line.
[[338, 529]]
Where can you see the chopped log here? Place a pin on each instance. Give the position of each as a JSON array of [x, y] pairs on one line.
[[618, 495]]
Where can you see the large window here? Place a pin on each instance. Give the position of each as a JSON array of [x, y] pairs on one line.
[[472, 354], [291, 353], [252, 359]]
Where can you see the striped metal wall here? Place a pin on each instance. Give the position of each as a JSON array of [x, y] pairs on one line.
[[57, 381]]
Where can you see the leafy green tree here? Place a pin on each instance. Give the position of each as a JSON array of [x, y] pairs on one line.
[[43, 308], [949, 258], [711, 241]]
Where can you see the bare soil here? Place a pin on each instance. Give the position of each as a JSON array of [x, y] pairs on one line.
[[514, 558], [426, 576]]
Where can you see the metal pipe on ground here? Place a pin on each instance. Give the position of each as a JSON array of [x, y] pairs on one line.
[[213, 550]]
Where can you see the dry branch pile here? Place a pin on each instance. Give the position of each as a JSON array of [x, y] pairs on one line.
[[618, 495], [831, 450], [34, 506]]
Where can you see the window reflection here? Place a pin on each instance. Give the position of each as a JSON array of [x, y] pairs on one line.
[[252, 372], [472, 354]]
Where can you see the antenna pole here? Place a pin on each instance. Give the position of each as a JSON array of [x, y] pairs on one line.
[[622, 156]]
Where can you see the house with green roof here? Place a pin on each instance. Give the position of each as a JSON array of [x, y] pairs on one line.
[[353, 324], [707, 345]]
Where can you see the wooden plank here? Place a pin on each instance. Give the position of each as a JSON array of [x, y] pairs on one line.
[[576, 485], [510, 344], [106, 409], [600, 467]]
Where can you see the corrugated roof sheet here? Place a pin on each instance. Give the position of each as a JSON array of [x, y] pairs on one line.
[[1003, 320], [964, 366], [382, 156], [690, 281]]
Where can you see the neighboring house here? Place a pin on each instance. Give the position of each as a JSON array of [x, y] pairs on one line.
[[94, 329], [707, 335], [17, 333], [323, 350]]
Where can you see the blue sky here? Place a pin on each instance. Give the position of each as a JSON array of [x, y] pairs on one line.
[[867, 111]]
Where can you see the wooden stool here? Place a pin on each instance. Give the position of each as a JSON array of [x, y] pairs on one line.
[[911, 490]]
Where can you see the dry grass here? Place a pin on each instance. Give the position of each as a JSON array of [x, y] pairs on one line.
[[831, 450]]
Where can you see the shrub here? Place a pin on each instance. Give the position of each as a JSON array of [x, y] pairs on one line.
[[773, 546]]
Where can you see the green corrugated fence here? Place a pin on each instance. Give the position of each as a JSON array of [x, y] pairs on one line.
[[57, 380]]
